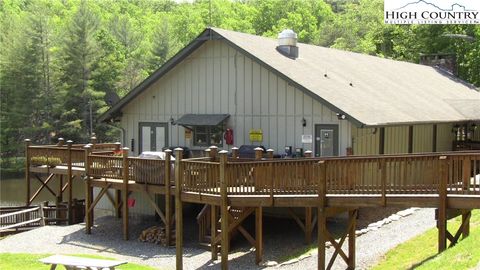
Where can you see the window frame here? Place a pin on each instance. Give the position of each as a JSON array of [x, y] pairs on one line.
[[209, 134]]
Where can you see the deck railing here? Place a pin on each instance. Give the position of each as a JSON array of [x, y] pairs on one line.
[[376, 175], [64, 154]]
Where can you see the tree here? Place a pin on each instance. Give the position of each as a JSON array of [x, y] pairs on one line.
[[81, 100]]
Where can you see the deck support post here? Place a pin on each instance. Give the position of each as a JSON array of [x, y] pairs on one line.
[[308, 225], [118, 203], [213, 232], [27, 170], [168, 198], [178, 208], [88, 194], [70, 184], [224, 210], [321, 215], [442, 207], [352, 221], [466, 214], [125, 173], [258, 235], [59, 198]]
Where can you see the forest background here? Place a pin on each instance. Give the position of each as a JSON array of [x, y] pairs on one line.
[[62, 61]]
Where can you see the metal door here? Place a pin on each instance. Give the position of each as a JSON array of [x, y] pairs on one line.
[[326, 140], [153, 136]]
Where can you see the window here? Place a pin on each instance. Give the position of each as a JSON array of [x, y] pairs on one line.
[[208, 135]]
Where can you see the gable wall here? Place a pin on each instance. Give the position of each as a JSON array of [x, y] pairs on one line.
[[219, 79]]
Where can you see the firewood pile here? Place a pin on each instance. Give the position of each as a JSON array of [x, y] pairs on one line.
[[156, 235]]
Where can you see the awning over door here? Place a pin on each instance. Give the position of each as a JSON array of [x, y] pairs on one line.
[[202, 119]]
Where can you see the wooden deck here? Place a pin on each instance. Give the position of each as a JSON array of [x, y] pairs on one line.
[[234, 188]]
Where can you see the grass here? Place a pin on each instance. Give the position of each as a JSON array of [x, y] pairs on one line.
[[24, 261], [421, 251]]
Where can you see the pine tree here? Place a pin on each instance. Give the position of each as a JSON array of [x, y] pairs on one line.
[[81, 100]]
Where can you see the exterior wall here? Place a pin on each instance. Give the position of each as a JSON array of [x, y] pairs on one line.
[[218, 79], [366, 140]]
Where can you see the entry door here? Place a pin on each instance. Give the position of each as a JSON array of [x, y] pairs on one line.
[[153, 136], [326, 140]]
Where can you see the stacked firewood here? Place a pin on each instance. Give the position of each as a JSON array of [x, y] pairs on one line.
[[156, 235]]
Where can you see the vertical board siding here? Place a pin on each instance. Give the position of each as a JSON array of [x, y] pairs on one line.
[[219, 79], [366, 141], [445, 137], [396, 140], [422, 138]]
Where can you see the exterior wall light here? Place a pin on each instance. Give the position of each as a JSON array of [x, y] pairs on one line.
[[341, 116], [304, 122]]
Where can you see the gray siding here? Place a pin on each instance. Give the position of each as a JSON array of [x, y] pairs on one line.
[[219, 79]]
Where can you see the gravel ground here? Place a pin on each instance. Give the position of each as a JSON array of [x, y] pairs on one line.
[[279, 242]]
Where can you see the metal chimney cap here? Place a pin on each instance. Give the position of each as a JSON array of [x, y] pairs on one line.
[[287, 33]]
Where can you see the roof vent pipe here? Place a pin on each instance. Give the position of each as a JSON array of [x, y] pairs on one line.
[[287, 43]]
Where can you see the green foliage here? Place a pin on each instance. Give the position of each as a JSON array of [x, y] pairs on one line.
[[421, 251], [59, 59]]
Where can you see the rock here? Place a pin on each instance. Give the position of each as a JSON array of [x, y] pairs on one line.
[[406, 212], [291, 261], [394, 217], [268, 263]]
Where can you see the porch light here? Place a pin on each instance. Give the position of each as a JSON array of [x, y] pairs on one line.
[[341, 116], [304, 122]]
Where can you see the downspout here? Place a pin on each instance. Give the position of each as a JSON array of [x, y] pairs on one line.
[[122, 132]]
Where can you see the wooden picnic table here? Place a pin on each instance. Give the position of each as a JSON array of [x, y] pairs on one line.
[[73, 263]]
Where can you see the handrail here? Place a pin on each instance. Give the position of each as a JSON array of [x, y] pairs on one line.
[[33, 209]]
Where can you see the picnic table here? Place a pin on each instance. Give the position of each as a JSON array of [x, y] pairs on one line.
[[73, 263]]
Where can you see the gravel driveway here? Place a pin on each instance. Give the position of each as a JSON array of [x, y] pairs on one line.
[[279, 241]]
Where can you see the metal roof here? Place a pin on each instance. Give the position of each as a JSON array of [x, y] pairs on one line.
[[201, 119], [369, 90]]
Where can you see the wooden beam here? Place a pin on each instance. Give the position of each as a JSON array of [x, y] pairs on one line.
[[466, 215], [118, 203], [258, 235], [321, 214], [27, 171], [88, 194], [69, 179], [352, 216], [155, 206], [44, 185], [178, 209], [213, 232], [224, 210], [308, 225], [442, 204], [126, 172], [97, 199], [168, 198]]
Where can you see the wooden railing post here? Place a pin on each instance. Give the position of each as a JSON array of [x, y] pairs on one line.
[[178, 208], [88, 191], [93, 141], [70, 180], [269, 153], [442, 207], [383, 168], [207, 152], [27, 170], [41, 213], [126, 174], [168, 198], [213, 152], [308, 154], [118, 145], [258, 153], [321, 215], [224, 209], [61, 142], [234, 152]]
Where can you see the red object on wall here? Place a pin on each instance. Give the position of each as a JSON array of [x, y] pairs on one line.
[[131, 202], [228, 136]]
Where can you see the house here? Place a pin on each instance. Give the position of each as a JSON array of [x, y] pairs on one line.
[[329, 101]]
